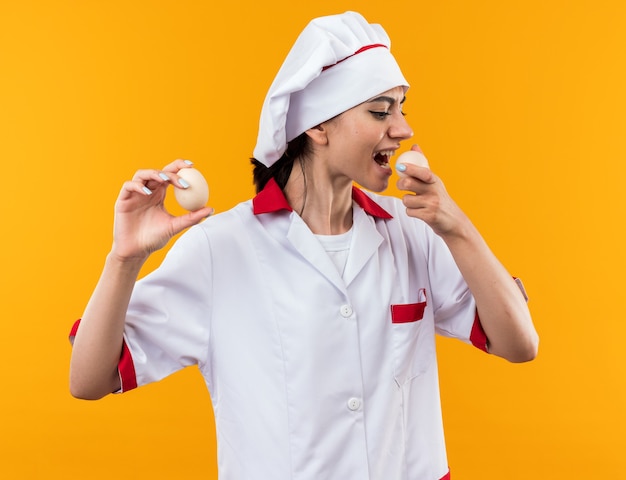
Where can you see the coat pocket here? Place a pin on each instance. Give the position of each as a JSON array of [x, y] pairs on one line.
[[409, 312], [413, 338]]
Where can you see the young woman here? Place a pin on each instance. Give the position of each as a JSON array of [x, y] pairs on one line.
[[311, 309]]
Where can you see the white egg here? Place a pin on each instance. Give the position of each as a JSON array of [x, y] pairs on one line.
[[416, 158], [197, 194]]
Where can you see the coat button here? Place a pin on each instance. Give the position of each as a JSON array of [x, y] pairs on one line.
[[346, 311], [354, 404]]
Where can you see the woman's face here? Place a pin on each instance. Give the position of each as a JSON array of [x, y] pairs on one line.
[[362, 140]]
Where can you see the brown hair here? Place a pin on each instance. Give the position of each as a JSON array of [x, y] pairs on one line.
[[298, 148]]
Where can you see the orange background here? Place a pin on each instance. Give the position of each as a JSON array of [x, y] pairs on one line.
[[520, 107]]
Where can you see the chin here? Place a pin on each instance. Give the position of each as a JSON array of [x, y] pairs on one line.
[[376, 187]]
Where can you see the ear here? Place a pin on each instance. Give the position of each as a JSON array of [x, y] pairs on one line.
[[318, 134]]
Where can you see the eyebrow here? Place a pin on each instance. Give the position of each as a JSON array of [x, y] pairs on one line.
[[384, 98]]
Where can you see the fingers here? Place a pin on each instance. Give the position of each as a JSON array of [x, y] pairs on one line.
[[177, 165], [173, 168], [426, 192], [185, 221], [418, 179], [147, 180], [416, 202]]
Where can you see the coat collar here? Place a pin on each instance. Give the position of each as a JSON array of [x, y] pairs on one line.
[[271, 199]]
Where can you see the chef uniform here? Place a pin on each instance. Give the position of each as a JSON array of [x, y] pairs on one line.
[[316, 369]]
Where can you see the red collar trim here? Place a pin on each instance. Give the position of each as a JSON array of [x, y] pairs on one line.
[[271, 199], [368, 205]]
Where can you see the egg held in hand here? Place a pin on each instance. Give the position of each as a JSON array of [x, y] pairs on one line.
[[416, 158], [196, 195]]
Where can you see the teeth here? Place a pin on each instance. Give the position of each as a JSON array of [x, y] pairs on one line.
[[386, 153], [382, 158]]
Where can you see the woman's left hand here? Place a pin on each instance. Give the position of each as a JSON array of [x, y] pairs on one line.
[[429, 201]]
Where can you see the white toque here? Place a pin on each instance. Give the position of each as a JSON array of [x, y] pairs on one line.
[[337, 62]]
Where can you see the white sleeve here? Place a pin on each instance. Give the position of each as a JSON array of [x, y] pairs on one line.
[[453, 304], [168, 319]]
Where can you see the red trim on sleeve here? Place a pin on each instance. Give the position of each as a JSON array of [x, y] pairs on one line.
[[125, 366], [478, 337], [446, 476]]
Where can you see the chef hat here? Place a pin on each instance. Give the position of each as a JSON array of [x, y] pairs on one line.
[[337, 62]]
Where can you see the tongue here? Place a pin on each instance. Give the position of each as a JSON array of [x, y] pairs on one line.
[[381, 159]]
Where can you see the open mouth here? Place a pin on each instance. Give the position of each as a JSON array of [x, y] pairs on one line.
[[382, 158]]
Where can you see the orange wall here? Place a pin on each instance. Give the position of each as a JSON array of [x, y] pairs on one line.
[[520, 107]]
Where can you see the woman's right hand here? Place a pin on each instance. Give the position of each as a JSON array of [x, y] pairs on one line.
[[142, 225]]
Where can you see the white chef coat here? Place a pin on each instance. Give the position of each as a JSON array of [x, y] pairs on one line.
[[312, 376]]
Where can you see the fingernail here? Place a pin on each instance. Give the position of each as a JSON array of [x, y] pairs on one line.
[[164, 176], [188, 162], [147, 190], [183, 182], [400, 167]]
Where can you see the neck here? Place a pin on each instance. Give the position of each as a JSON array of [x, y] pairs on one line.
[[324, 203]]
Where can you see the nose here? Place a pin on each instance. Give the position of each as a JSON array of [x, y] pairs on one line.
[[400, 128]]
